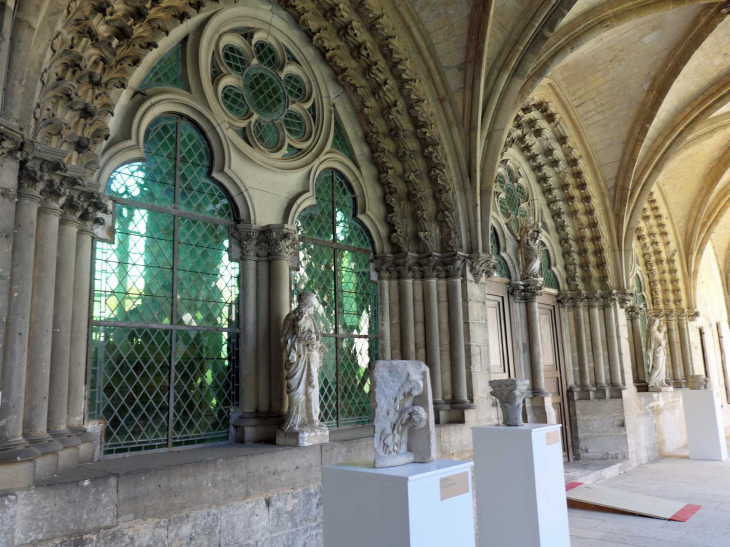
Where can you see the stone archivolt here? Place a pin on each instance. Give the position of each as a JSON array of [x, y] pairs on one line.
[[100, 42], [541, 138]]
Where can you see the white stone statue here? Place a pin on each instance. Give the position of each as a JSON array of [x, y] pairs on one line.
[[302, 346], [510, 393], [529, 240], [402, 406], [657, 355]]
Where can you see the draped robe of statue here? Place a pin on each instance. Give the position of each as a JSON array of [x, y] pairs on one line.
[[529, 241], [302, 346], [658, 352]]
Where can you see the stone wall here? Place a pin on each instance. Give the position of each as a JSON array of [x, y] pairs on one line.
[[227, 496], [656, 425]]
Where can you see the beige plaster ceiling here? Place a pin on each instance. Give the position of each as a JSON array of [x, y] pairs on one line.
[[607, 80]]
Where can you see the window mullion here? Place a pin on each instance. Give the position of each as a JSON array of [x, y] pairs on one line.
[[173, 319], [336, 272]]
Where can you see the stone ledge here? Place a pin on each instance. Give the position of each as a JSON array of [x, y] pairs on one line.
[[108, 497]]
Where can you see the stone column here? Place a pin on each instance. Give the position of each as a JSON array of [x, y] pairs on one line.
[[80, 323], [676, 355], [419, 320], [394, 313], [282, 242], [633, 314], [263, 332], [433, 347], [13, 447], [35, 415], [406, 317], [456, 331], [595, 322], [248, 385], [62, 325], [384, 317], [614, 363], [444, 339], [686, 347], [530, 291], [580, 335]]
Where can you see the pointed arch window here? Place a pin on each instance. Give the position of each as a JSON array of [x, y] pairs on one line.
[[167, 72], [334, 263], [549, 279], [502, 268], [164, 338]]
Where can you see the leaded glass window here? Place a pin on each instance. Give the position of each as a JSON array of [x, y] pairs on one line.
[[502, 268], [339, 142], [164, 338], [334, 263], [167, 72], [549, 279], [511, 195], [265, 91]]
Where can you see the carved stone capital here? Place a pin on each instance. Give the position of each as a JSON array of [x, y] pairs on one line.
[[11, 141], [483, 265], [432, 266], [282, 242], [54, 192], [633, 312], [454, 265], [72, 207], [624, 298], [693, 315], [250, 240], [36, 173], [610, 299], [525, 291], [406, 267], [384, 266], [94, 204]]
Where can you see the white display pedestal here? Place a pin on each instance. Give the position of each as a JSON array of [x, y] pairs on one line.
[[705, 430], [414, 505], [520, 486]]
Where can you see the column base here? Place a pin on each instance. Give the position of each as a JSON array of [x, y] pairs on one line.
[[256, 429], [540, 410], [14, 475], [641, 386], [583, 393], [679, 384], [87, 446], [65, 438], [68, 458], [539, 393], [17, 451]]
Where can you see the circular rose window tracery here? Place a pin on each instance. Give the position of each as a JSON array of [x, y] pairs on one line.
[[266, 93]]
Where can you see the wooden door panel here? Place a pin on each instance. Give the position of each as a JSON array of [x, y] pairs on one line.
[[499, 329]]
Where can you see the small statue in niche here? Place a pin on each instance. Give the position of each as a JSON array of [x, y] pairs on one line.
[[529, 241], [302, 346], [402, 406], [657, 355]]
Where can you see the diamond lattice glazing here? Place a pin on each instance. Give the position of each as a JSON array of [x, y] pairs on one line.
[[234, 101], [165, 268], [266, 54], [294, 124], [234, 58], [295, 87], [265, 93]]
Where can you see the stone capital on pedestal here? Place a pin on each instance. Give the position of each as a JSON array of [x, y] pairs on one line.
[[510, 393]]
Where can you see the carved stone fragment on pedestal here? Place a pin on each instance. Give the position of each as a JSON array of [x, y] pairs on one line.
[[510, 393], [698, 381], [402, 408]]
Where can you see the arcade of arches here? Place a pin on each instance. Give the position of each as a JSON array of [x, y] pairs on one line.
[[174, 171]]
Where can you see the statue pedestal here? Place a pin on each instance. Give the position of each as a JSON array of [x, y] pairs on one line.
[[414, 505], [304, 437], [660, 389], [705, 430], [520, 486]]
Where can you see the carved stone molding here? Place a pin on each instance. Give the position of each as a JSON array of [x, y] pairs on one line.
[[250, 240], [94, 205], [282, 242], [11, 141], [385, 267], [633, 312], [525, 291], [100, 42], [482, 265]]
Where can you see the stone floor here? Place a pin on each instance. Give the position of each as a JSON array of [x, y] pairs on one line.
[[673, 477]]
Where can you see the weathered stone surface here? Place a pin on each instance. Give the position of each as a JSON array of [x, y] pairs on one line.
[[291, 510], [198, 529], [402, 407], [510, 393], [308, 537], [8, 509], [90, 540], [68, 509], [244, 522], [147, 533]]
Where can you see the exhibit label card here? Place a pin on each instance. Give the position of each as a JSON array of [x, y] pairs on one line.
[[455, 485], [552, 437]]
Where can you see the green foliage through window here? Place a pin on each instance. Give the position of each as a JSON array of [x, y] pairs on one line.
[[164, 326], [167, 72], [339, 142], [502, 268], [549, 279], [334, 263]]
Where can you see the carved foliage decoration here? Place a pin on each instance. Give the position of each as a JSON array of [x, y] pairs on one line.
[[100, 42], [539, 135], [93, 55]]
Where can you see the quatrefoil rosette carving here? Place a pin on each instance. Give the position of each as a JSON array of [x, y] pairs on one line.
[[266, 92], [511, 195]]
